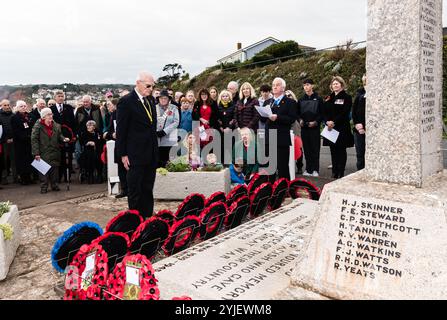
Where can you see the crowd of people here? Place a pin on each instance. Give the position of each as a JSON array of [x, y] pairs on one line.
[[58, 132]]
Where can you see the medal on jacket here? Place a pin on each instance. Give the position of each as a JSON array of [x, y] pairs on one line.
[[148, 111]]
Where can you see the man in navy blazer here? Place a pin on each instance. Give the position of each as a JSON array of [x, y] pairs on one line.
[[136, 141], [284, 115]]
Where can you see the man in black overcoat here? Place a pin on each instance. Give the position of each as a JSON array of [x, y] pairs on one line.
[[63, 114], [137, 145]]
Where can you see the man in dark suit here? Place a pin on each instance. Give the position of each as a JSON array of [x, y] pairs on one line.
[[63, 114], [284, 115], [136, 141]]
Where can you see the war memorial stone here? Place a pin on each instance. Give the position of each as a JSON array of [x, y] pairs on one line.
[[251, 262], [382, 232]]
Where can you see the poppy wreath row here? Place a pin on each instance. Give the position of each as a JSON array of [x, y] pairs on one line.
[[196, 217]]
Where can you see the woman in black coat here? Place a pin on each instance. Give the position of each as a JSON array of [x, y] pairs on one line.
[[21, 124], [226, 121], [246, 114], [336, 111]]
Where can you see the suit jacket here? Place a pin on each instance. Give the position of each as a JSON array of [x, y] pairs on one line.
[[287, 114], [82, 117], [136, 136], [66, 118]]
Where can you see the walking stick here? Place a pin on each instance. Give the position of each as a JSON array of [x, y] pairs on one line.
[[67, 132], [67, 162]]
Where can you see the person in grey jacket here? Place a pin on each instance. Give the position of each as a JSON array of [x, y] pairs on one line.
[[168, 120]]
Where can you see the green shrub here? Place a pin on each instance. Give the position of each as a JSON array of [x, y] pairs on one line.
[[4, 208]]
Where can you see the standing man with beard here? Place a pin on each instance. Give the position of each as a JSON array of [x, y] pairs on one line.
[[137, 144]]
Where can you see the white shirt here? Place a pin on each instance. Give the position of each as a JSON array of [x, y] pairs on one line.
[[140, 96]]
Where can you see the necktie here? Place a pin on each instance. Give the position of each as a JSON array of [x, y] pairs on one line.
[[147, 108]]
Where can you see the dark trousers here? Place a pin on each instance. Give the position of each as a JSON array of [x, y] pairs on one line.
[[9, 163], [359, 140], [311, 144], [339, 158], [122, 173], [140, 183], [163, 156], [283, 157], [51, 177]]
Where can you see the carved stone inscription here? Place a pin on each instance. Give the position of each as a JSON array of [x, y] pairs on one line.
[[369, 238], [429, 23], [251, 262]]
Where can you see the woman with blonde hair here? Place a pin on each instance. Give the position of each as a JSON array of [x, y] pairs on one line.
[[246, 114], [336, 111]]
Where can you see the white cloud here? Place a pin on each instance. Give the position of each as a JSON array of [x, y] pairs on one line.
[[94, 40]]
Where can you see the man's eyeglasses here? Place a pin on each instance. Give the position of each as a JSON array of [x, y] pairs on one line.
[[148, 86], [51, 105]]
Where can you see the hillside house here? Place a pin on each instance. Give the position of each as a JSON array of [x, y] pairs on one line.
[[244, 54]]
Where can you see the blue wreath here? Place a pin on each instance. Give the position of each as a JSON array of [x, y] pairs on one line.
[[67, 235]]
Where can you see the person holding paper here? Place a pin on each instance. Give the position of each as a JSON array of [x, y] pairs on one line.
[[205, 110], [284, 115], [336, 111], [46, 137]]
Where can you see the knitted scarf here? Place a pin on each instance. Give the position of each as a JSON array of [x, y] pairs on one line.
[[48, 129]]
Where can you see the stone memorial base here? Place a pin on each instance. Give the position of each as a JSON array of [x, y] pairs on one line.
[[378, 241], [251, 262], [179, 185], [8, 248]]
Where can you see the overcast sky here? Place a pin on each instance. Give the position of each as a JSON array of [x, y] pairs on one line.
[[109, 41]]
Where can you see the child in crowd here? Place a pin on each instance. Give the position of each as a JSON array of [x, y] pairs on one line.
[[186, 115], [237, 175]]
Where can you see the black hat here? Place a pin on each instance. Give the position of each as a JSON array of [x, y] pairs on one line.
[[212, 219], [164, 93], [301, 188], [280, 189], [260, 198], [308, 81]]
